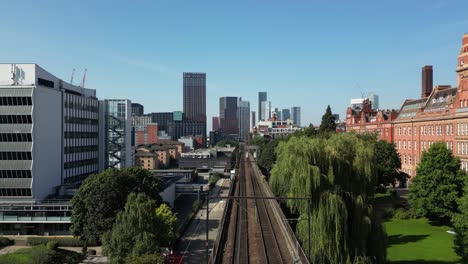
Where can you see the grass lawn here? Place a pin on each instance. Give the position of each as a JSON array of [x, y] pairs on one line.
[[416, 241]]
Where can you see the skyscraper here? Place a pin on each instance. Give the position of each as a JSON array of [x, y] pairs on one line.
[[286, 114], [278, 113], [266, 110], [215, 123], [243, 116], [194, 94], [228, 121], [137, 109], [296, 115], [262, 97]]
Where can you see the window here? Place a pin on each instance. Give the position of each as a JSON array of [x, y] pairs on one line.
[[399, 131], [415, 145], [409, 144], [399, 144], [11, 155], [15, 174], [45, 82], [409, 131], [15, 119], [15, 192], [404, 131], [15, 100], [15, 137], [409, 159], [404, 144], [404, 159]]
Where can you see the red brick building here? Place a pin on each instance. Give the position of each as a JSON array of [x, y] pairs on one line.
[[441, 114], [147, 135]]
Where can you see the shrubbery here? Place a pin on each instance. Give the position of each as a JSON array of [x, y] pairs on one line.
[[388, 213], [404, 214], [213, 179], [61, 241], [4, 242]]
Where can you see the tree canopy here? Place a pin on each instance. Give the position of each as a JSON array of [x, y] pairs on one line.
[[338, 173], [102, 196], [438, 184], [388, 164], [139, 230], [460, 223], [328, 121]]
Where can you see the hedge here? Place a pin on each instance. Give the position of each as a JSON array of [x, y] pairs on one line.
[[61, 241]]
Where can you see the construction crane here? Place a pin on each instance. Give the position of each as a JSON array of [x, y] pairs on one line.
[[72, 76], [84, 79]]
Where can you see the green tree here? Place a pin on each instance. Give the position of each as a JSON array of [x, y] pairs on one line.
[[139, 230], [102, 196], [338, 174], [145, 259], [437, 185], [460, 223], [328, 122], [388, 164]]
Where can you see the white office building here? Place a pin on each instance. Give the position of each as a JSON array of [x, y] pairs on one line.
[[48, 133], [266, 110], [374, 99]]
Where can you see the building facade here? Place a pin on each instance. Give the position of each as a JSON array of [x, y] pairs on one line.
[[374, 99], [215, 123], [194, 101], [117, 127], [243, 117], [296, 115], [137, 109], [262, 97], [48, 133], [286, 114], [162, 119], [253, 121], [228, 121], [266, 111]]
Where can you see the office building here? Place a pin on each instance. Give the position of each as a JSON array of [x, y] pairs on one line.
[[228, 121], [253, 121], [117, 130], [276, 128], [178, 115], [374, 99], [243, 117], [262, 97], [48, 133], [266, 111], [286, 114], [137, 109], [194, 99], [215, 123], [162, 119], [296, 115], [186, 128]]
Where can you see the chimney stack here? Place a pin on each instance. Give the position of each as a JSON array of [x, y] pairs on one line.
[[427, 82]]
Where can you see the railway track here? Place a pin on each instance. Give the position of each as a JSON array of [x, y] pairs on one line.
[[254, 234]]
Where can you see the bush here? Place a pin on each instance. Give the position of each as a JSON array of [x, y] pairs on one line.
[[52, 245], [42, 255], [388, 213], [4, 242], [380, 189], [404, 214], [213, 179], [393, 193], [61, 241], [145, 259]]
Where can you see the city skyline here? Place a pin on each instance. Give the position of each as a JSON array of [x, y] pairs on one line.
[[150, 74]]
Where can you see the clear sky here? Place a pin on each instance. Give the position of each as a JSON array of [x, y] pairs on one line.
[[304, 53]]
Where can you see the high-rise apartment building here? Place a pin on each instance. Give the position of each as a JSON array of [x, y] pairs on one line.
[[243, 117], [48, 133], [262, 97], [228, 121], [117, 130], [296, 115], [286, 114], [137, 109], [253, 121], [266, 110], [194, 101]]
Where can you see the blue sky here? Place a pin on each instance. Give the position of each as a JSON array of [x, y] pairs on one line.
[[305, 53]]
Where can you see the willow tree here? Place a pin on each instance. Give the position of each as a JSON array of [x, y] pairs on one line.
[[338, 174]]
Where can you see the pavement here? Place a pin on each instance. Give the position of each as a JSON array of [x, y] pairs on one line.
[[192, 245]]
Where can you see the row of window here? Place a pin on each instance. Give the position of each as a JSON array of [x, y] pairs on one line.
[[15, 174], [462, 148], [15, 119], [15, 155], [15, 192], [79, 163], [80, 121], [77, 149], [81, 134], [408, 160], [436, 130], [16, 100], [81, 106], [78, 178], [407, 144], [15, 137]]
